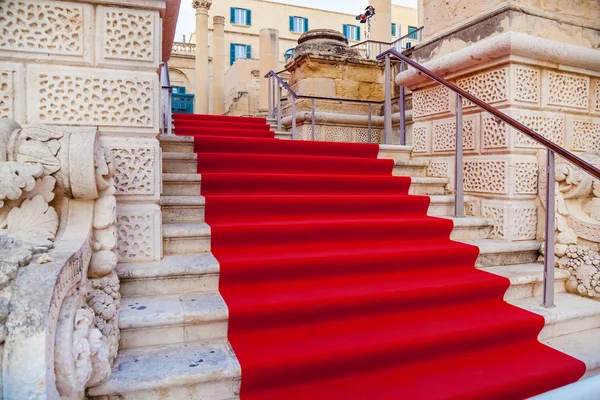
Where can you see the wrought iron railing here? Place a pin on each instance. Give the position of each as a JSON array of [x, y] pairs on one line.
[[371, 48]]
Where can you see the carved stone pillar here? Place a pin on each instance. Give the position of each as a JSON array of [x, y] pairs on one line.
[[381, 29], [201, 99], [218, 65], [268, 60]]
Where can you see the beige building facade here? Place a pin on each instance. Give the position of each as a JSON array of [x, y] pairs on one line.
[[243, 22]]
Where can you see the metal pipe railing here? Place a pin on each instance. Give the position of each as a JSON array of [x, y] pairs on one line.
[[166, 120], [552, 149]]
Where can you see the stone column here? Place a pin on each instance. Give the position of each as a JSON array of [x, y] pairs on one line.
[[381, 28], [201, 100], [218, 65], [268, 60]]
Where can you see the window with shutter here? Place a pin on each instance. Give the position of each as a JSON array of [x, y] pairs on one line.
[[352, 32], [239, 51], [241, 16], [298, 24], [393, 29]]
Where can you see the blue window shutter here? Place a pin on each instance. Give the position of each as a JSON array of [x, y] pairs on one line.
[[232, 14], [345, 30], [231, 53], [291, 23], [248, 17], [393, 29], [358, 33], [305, 24], [248, 51]]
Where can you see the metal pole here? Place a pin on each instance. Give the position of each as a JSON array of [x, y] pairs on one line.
[[278, 104], [270, 85], [550, 228], [402, 112], [313, 119], [167, 89], [387, 114], [459, 196], [293, 115], [370, 114]]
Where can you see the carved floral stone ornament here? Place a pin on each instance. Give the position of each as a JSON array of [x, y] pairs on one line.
[[578, 226], [57, 214], [202, 4]]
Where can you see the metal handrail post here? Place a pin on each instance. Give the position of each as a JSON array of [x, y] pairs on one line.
[[387, 113], [402, 111], [167, 90], [278, 104], [459, 196], [293, 115], [312, 122], [370, 123], [270, 101], [550, 229]]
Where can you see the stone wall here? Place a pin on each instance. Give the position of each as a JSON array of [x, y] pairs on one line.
[[89, 64]]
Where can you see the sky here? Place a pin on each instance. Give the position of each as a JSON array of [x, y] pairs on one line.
[[187, 20]]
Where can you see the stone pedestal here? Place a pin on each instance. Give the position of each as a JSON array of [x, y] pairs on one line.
[[325, 66], [268, 61], [381, 29], [538, 67], [201, 99], [219, 65]]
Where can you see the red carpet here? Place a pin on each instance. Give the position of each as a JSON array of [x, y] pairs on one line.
[[340, 287]]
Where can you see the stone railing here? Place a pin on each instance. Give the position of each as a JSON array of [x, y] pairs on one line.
[[184, 49], [60, 293]]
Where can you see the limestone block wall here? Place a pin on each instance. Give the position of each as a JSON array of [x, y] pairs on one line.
[[500, 164], [93, 64]]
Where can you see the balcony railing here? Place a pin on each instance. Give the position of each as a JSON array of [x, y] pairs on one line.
[[184, 49], [371, 48]]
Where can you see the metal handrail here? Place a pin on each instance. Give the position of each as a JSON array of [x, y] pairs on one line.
[[166, 121], [552, 150], [379, 46], [274, 103], [592, 170]]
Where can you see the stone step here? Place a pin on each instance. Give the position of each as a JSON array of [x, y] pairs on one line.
[[179, 162], [181, 184], [572, 314], [471, 228], [498, 252], [207, 370], [442, 205], [422, 185], [174, 274], [395, 152], [182, 208], [172, 318], [412, 168], [583, 345], [186, 237], [177, 144], [527, 280], [282, 134]]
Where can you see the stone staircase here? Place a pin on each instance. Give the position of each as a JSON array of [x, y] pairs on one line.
[[174, 322]]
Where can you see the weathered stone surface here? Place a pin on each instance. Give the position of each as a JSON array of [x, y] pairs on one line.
[[325, 42]]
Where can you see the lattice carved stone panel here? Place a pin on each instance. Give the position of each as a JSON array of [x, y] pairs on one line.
[[524, 223], [567, 90], [526, 174], [551, 127], [495, 133], [130, 36], [139, 233], [81, 96], [527, 84], [48, 27], [444, 135], [420, 138], [597, 96], [498, 215], [439, 169], [490, 86], [586, 135], [7, 94], [431, 101], [336, 134], [361, 135], [485, 176]]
